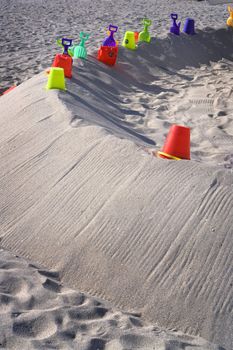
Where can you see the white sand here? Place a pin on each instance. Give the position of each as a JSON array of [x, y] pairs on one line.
[[38, 312], [81, 193]]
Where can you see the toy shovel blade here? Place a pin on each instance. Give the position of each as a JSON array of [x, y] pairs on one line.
[[110, 41], [143, 36], [80, 52]]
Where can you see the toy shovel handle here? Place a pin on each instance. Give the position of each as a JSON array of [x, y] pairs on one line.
[[112, 28], [59, 42], [84, 36], [147, 22], [174, 16], [66, 42]]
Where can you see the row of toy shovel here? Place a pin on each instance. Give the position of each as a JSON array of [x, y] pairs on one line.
[[108, 51]]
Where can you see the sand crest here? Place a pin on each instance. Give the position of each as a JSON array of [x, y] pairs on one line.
[[82, 194], [149, 235]]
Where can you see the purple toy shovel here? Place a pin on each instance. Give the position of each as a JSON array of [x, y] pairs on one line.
[[175, 28], [110, 41]]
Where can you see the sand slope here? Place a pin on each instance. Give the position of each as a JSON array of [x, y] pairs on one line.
[[149, 235], [38, 312]]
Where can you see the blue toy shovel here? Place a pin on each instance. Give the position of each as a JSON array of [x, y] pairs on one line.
[[65, 43]]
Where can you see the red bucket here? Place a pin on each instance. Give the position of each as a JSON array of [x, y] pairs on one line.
[[108, 54], [136, 36], [9, 90], [65, 62], [177, 144]]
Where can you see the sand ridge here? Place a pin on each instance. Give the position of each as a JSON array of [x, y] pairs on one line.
[[196, 96], [38, 312], [81, 193], [111, 218]]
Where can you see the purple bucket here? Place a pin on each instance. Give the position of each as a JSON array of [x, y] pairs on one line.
[[189, 26]]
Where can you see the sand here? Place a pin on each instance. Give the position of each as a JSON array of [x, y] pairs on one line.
[[38, 312], [218, 2], [82, 194]]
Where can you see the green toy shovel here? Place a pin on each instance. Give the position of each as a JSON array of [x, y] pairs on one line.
[[145, 35], [80, 50]]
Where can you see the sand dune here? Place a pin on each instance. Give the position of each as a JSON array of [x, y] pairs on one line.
[[38, 312], [197, 98], [80, 193]]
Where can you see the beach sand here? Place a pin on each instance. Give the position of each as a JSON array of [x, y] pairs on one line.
[[38, 312], [82, 193]]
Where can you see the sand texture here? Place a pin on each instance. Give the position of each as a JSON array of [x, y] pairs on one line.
[[82, 194], [218, 2], [38, 312], [30, 28], [151, 236]]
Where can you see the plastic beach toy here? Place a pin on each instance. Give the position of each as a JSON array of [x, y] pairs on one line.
[[230, 19], [64, 61], [145, 35], [108, 54], [177, 144], [136, 36], [129, 41], [56, 79], [110, 41], [189, 26], [80, 50], [175, 28], [9, 90], [65, 43]]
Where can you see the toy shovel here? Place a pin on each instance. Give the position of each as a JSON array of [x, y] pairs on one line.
[[145, 35], [65, 43], [175, 28], [110, 41], [80, 50]]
